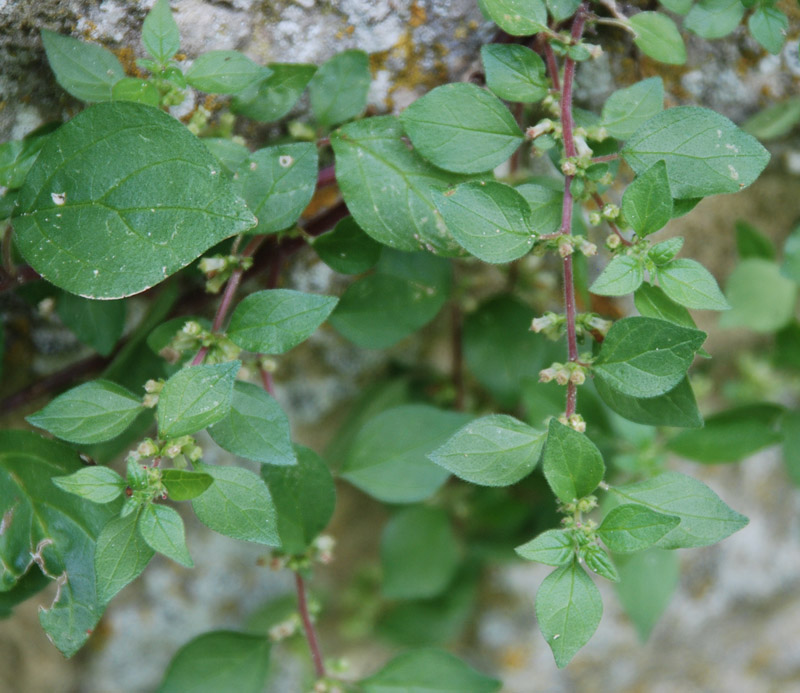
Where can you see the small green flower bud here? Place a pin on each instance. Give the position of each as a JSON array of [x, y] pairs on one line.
[[563, 376], [577, 377], [153, 386], [150, 401], [610, 211], [595, 218], [147, 448], [587, 248], [577, 423], [568, 168], [565, 247], [547, 374], [613, 241]]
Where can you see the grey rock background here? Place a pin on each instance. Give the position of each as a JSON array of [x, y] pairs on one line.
[[734, 624]]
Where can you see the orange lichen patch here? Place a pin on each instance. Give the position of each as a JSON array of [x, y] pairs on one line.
[[213, 103], [127, 58], [418, 15], [323, 200]]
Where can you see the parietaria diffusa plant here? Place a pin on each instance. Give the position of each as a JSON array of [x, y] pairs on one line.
[[124, 198]]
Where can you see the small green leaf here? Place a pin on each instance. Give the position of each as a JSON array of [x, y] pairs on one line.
[[225, 72], [553, 547], [647, 581], [683, 207], [774, 121], [514, 72], [623, 275], [791, 257], [462, 128], [256, 427], [276, 320], [652, 302], [630, 527], [572, 464], [705, 153], [546, 206], [238, 504], [229, 153], [690, 284], [769, 25], [305, 498], [160, 35], [674, 408], [714, 19], [646, 357], [705, 519], [662, 253], [183, 485], [278, 183], [658, 37], [626, 110], [750, 242], [388, 464], [16, 159], [731, 435], [347, 249], [272, 98], [121, 556], [419, 554], [677, 6], [647, 202], [428, 670], [219, 661], [90, 413], [562, 9], [98, 484], [599, 562], [568, 609], [339, 89], [496, 450], [135, 89], [85, 70], [96, 323], [516, 17], [162, 528], [196, 397], [490, 220], [761, 298]]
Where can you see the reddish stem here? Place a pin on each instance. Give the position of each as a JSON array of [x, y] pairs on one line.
[[604, 158], [308, 626], [552, 66], [326, 176]]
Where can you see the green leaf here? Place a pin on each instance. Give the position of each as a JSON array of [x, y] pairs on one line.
[[646, 357], [405, 293], [57, 528], [647, 202], [690, 284], [256, 427], [652, 302], [462, 128], [96, 323], [183, 485], [155, 200], [714, 19], [572, 464], [490, 220], [599, 562], [731, 435], [626, 110], [238, 504], [562, 9], [419, 554], [338, 90], [677, 6], [750, 242], [278, 183], [705, 153], [658, 37], [305, 498], [553, 547], [85, 70], [428, 671], [224, 72], [121, 556], [774, 121], [682, 207], [662, 253], [768, 26], [790, 428], [791, 257], [196, 397], [162, 528], [674, 408], [516, 17], [630, 527], [705, 519], [623, 275], [276, 320], [388, 188], [229, 153], [568, 610], [389, 464], [514, 72], [546, 206], [347, 249], [647, 581], [28, 586], [217, 661], [761, 298], [135, 89], [98, 484], [16, 159], [90, 413], [495, 450], [272, 98], [160, 35]]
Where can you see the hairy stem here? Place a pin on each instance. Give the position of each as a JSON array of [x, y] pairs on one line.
[[308, 626]]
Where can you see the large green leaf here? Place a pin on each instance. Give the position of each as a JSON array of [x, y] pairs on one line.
[[553, 547], [572, 464], [388, 187], [647, 581], [160, 34], [393, 466], [272, 98], [516, 17], [677, 407], [338, 90], [647, 202], [162, 528], [55, 529], [761, 298], [769, 25], [714, 19], [690, 284], [514, 72], [224, 72], [705, 153], [183, 484], [121, 197], [462, 128], [630, 527], [122, 554], [96, 323], [96, 483], [629, 108], [347, 249], [658, 37], [622, 276]]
